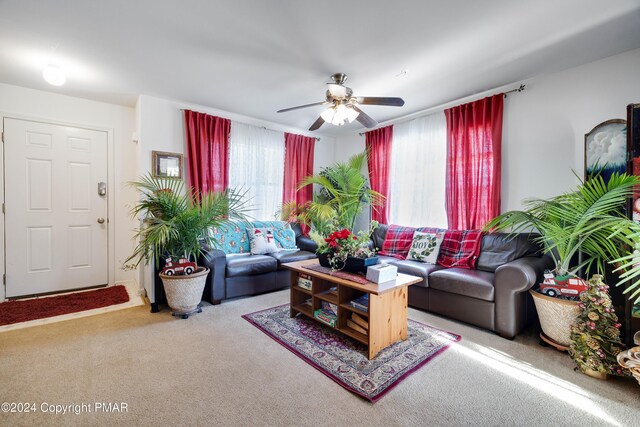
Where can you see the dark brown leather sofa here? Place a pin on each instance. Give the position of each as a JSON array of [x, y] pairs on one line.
[[494, 296]]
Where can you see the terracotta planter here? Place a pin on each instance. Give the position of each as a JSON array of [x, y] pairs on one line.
[[184, 293], [556, 317]]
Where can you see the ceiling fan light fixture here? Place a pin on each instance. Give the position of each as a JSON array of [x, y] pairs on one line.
[[337, 91], [339, 115]]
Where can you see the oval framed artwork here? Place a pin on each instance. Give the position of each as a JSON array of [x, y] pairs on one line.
[[605, 149]]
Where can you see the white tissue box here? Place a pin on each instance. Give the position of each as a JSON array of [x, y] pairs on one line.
[[382, 273]]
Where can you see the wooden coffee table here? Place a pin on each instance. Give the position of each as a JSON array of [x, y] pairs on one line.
[[386, 314]]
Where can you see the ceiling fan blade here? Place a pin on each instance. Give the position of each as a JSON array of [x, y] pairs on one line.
[[301, 106], [316, 125], [364, 119], [372, 100]]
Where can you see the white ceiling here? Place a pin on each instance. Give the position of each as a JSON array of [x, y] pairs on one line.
[[254, 57]]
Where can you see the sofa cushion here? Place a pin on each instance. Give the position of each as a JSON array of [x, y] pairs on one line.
[[284, 256], [501, 248], [416, 268], [462, 281], [242, 265], [386, 259]]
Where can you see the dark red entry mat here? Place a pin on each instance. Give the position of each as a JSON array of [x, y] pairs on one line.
[[39, 308]]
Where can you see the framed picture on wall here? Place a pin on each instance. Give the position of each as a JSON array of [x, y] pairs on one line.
[[167, 165], [605, 149]]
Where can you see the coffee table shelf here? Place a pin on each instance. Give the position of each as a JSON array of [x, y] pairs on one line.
[[386, 317]]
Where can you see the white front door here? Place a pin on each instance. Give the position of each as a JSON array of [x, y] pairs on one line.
[[55, 217]]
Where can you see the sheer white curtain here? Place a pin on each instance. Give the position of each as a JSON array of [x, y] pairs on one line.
[[418, 161], [256, 164]]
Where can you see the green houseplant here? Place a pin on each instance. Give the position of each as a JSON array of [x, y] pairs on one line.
[[175, 226], [589, 221], [343, 192]]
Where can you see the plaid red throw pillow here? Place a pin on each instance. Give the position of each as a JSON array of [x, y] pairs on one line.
[[460, 248], [398, 240]]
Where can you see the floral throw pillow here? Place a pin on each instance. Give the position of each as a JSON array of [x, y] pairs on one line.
[[425, 247]]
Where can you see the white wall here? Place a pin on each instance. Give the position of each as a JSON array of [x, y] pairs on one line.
[[161, 128], [120, 121], [544, 126]]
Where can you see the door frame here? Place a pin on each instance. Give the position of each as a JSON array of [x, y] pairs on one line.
[[111, 248]]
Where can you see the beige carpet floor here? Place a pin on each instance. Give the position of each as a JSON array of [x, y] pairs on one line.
[[217, 369]]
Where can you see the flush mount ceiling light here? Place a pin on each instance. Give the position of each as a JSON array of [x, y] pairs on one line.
[[54, 75]]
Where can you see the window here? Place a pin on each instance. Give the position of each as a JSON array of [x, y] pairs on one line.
[[256, 165], [418, 164]]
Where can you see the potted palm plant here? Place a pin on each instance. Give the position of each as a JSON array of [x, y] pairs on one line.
[[588, 224], [343, 193], [175, 227]]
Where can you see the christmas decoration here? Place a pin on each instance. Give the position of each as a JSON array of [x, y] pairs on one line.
[[595, 337]]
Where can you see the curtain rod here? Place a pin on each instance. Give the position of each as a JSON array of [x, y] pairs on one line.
[[518, 89], [263, 127]]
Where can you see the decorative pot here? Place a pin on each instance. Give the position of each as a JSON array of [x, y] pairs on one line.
[[323, 259], [596, 374], [351, 265], [556, 317], [359, 265], [184, 292]]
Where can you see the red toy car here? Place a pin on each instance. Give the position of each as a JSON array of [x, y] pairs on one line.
[[182, 266], [567, 286]]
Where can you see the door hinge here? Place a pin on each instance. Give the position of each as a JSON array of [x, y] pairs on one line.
[[4, 279], [2, 136], [3, 208]]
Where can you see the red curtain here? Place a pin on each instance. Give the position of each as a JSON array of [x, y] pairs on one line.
[[378, 143], [474, 144], [298, 164], [207, 140]]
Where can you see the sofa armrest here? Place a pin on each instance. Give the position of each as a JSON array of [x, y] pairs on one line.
[[306, 244], [216, 261], [512, 281]]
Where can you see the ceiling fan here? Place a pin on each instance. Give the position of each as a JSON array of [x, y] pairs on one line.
[[344, 106]]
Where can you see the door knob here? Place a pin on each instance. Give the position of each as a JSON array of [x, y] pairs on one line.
[[100, 220]]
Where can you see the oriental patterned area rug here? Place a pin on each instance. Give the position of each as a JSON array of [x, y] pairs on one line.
[[344, 360], [39, 308]]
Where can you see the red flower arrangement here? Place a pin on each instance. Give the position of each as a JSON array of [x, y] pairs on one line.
[[340, 245]]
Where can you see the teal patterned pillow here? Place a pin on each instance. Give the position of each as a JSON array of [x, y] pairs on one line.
[[232, 239], [282, 231]]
